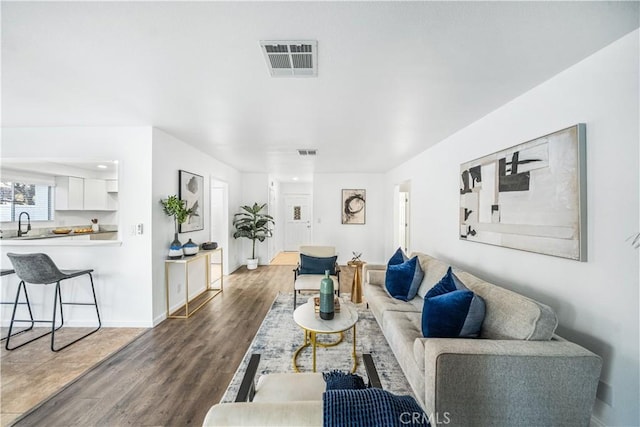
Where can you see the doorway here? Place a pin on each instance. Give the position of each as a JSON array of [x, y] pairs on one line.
[[297, 217], [219, 205], [403, 212]]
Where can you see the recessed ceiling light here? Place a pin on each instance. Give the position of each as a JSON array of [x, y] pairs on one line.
[[102, 167]]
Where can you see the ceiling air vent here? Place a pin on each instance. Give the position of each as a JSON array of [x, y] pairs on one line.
[[307, 151], [293, 58]]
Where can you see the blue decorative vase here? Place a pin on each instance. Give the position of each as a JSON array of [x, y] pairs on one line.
[[190, 248], [175, 250], [326, 297]]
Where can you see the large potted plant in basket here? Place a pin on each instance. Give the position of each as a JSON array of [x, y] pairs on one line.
[[254, 225], [175, 207]]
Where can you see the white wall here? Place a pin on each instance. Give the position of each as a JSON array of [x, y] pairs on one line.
[[169, 156], [347, 238], [122, 273], [596, 301]]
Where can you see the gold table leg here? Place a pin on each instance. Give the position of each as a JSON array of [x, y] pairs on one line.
[[311, 339], [313, 345], [355, 356]]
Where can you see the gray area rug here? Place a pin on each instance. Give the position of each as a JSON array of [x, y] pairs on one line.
[[279, 337]]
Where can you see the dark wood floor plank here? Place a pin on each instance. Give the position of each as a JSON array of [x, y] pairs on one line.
[[172, 374]]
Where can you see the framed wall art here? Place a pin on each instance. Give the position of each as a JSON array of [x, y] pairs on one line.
[[192, 193], [531, 196], [354, 204]]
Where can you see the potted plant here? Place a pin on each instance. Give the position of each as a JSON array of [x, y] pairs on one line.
[[176, 208], [253, 225]]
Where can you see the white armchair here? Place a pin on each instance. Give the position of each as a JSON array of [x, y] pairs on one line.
[[316, 256]]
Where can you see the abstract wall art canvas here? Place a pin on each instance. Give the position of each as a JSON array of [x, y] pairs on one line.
[[354, 204], [531, 196], [192, 193]]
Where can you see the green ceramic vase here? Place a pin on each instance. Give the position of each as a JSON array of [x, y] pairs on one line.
[[326, 297]]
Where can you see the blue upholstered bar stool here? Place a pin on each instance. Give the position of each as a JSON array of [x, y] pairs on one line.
[[39, 269]]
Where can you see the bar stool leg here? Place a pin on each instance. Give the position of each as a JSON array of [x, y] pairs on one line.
[[28, 304], [57, 297], [95, 300], [21, 286]]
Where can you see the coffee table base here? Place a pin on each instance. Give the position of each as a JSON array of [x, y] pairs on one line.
[[310, 339]]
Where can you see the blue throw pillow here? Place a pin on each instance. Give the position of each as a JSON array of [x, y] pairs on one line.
[[317, 265], [448, 283], [403, 280], [456, 314], [338, 380], [398, 257]]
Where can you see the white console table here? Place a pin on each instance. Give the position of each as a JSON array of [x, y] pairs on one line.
[[177, 270]]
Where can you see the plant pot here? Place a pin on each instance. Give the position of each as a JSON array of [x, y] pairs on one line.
[[252, 264]]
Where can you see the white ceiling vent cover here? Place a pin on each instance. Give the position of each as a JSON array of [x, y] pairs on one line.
[[307, 151], [291, 58]]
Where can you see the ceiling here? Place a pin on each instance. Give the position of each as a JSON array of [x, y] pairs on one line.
[[394, 78]]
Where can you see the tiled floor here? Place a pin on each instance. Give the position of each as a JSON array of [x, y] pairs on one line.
[[30, 374]]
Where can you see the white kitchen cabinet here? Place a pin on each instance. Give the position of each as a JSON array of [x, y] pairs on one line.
[[112, 186], [69, 193], [95, 194], [86, 194]]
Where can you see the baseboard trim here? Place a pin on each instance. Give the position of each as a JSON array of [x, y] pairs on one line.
[[159, 319], [596, 422]]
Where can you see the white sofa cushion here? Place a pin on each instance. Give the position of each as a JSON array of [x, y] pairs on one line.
[[379, 301], [265, 414], [511, 316], [433, 269], [285, 387]]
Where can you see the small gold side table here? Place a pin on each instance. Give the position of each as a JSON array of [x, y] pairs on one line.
[[356, 286]]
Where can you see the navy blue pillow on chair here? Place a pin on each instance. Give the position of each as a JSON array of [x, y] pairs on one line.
[[317, 265], [451, 310], [403, 280]]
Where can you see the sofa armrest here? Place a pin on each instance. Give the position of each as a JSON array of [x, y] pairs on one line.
[[307, 413], [366, 267], [510, 382]]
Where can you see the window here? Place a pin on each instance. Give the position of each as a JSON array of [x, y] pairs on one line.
[[17, 197]]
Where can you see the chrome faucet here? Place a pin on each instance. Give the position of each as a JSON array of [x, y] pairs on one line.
[[20, 233]]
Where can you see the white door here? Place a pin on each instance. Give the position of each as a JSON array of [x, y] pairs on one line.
[[219, 216], [297, 228]]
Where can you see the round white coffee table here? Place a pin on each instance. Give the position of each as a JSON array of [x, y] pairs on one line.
[[307, 318]]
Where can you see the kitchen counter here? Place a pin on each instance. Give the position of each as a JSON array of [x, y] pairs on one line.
[[51, 235], [59, 242], [96, 238]]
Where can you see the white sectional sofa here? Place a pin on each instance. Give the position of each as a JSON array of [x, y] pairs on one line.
[[518, 373]]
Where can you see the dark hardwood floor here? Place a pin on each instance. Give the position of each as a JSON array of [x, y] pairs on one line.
[[172, 374]]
